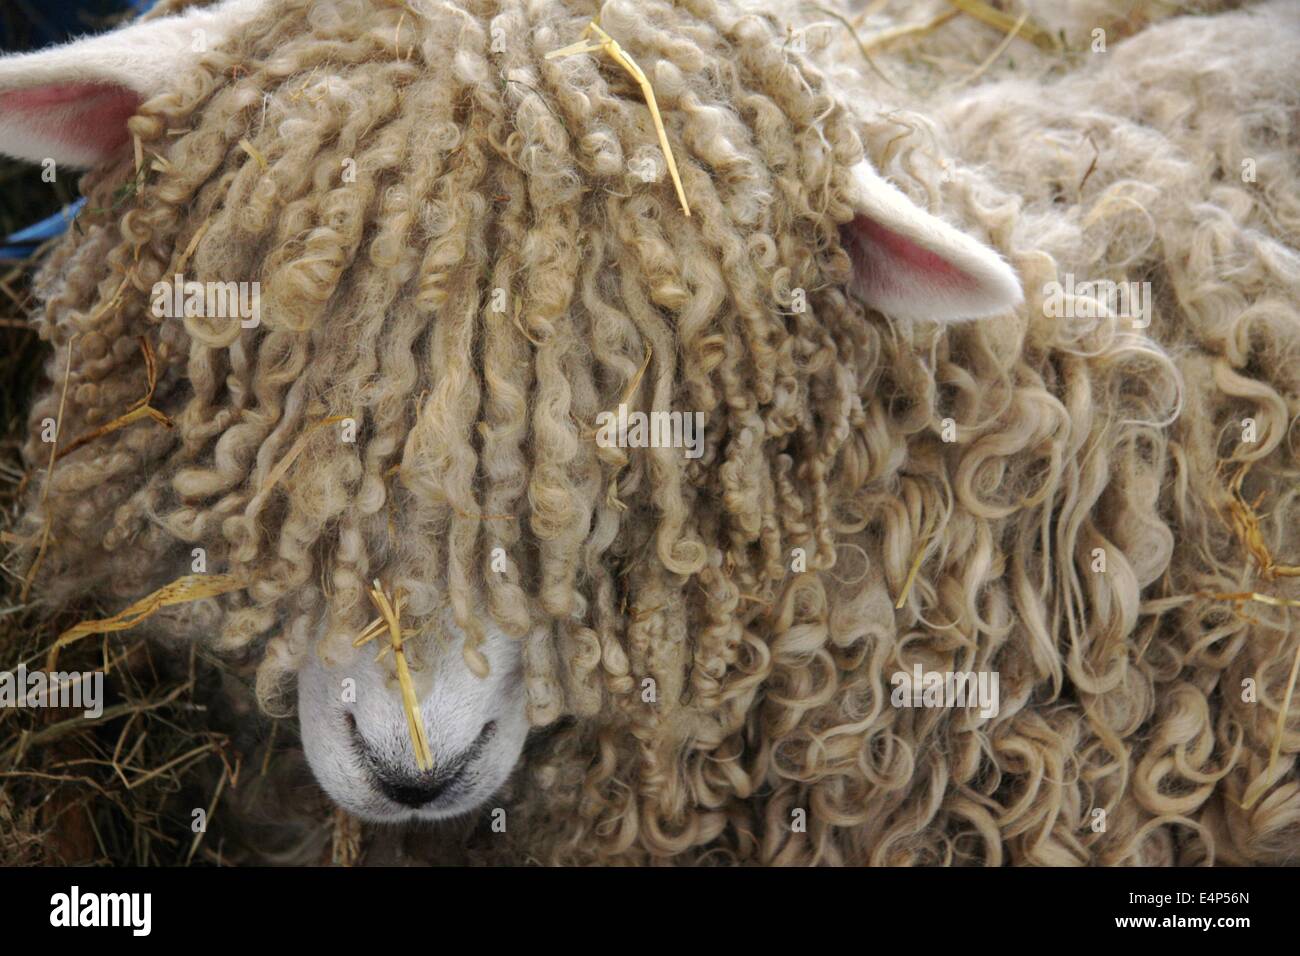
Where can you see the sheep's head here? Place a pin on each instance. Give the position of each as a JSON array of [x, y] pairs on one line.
[[464, 253]]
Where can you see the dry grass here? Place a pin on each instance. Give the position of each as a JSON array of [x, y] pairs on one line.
[[178, 734]]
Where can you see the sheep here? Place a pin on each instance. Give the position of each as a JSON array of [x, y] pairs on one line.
[[467, 252]]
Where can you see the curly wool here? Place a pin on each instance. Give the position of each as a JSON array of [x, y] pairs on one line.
[[481, 166]]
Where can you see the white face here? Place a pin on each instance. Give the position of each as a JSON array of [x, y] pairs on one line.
[[361, 750]]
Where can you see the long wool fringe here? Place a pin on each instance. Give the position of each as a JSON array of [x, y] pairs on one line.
[[1075, 536]]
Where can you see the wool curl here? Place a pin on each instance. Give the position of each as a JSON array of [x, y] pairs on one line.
[[481, 166]]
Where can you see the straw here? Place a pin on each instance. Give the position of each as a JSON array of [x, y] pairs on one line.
[[49, 476], [1006, 23], [390, 610], [300, 444], [862, 47], [138, 411], [190, 587], [1261, 784], [893, 34], [251, 150], [1244, 521], [916, 564], [617, 54], [997, 52]]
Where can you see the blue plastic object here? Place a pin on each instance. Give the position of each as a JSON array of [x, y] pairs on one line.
[[23, 243]]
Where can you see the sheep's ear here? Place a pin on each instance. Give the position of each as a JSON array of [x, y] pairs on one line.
[[910, 264], [70, 103]]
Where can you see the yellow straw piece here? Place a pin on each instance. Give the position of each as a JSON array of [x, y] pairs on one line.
[[1245, 524], [193, 244], [581, 46], [251, 150], [1261, 784], [619, 56], [633, 385], [886, 37], [997, 52], [190, 587], [1239, 597], [389, 612], [140, 409], [284, 464], [129, 418], [116, 300], [49, 476], [1005, 22], [916, 565]]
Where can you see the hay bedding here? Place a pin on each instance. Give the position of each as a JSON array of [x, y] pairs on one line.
[[1121, 691]]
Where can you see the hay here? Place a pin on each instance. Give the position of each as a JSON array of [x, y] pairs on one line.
[[916, 566], [138, 411], [111, 791], [190, 587], [619, 56], [121, 789], [1245, 524], [390, 610], [49, 476], [1008, 24], [251, 150]]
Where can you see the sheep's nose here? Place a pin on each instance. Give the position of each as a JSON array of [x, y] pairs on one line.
[[412, 791]]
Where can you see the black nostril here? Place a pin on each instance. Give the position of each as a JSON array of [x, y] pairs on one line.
[[417, 790], [412, 791]]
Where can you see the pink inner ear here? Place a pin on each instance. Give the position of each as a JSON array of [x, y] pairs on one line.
[[89, 116], [888, 260]]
